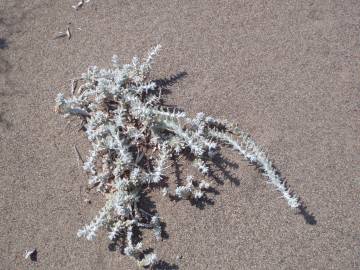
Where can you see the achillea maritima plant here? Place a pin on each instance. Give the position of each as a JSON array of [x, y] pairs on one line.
[[126, 123]]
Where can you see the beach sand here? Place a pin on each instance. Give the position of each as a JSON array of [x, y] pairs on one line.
[[288, 73]]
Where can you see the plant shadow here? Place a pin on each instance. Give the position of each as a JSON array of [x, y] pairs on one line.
[[162, 265], [3, 43], [308, 216], [163, 85], [7, 124]]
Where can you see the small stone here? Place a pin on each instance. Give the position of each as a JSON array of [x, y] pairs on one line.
[[179, 257], [87, 201], [31, 254]]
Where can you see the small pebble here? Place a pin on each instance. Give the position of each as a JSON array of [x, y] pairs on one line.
[[31, 254], [87, 201], [179, 257]]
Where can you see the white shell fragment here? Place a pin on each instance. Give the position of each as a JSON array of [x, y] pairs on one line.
[[79, 5], [67, 33]]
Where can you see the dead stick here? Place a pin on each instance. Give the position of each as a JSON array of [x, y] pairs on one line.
[[78, 154]]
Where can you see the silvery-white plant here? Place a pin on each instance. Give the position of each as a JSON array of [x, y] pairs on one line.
[[127, 124]]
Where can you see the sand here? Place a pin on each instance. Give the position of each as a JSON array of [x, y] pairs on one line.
[[288, 73]]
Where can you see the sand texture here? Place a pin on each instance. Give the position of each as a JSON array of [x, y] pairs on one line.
[[285, 71]]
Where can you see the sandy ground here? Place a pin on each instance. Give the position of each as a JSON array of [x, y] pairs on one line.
[[287, 73]]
